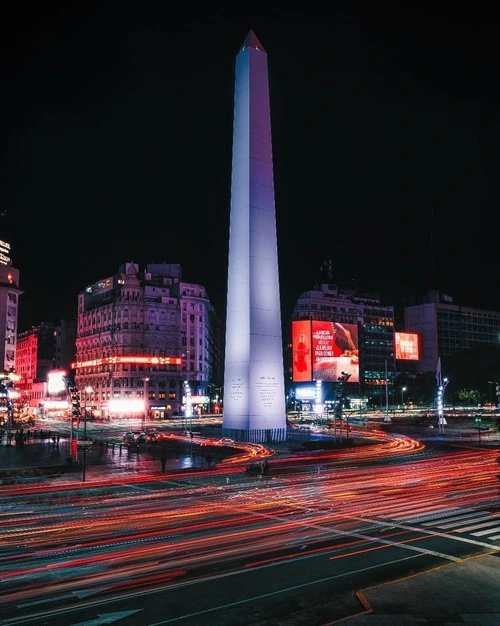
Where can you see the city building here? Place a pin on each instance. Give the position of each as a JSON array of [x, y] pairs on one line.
[[444, 328], [9, 308], [334, 331], [141, 335], [41, 350], [254, 392]]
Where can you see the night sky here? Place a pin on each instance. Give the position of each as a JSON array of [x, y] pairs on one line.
[[116, 131]]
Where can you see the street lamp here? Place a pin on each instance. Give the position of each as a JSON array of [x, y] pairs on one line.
[[403, 389], [188, 410], [86, 391]]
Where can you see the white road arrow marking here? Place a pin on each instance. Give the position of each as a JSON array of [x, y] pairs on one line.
[[107, 618]]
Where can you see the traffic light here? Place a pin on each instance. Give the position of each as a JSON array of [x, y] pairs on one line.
[[76, 410], [477, 422]]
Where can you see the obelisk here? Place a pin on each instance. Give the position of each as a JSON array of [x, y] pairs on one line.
[[254, 390]]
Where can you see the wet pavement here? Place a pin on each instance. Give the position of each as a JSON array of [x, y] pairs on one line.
[[44, 454]]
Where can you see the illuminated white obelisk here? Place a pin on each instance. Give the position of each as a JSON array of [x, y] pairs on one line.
[[254, 389]]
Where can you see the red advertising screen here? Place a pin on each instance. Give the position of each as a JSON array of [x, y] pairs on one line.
[[406, 345], [301, 351], [334, 351]]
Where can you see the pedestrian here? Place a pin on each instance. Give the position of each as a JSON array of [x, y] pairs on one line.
[[163, 460]]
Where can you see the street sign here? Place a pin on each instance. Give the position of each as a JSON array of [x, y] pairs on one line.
[[84, 445]]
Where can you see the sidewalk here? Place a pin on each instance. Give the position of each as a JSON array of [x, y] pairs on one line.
[[43, 457], [467, 592]]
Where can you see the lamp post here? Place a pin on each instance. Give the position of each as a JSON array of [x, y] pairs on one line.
[[403, 389], [87, 390], [188, 411], [440, 405]]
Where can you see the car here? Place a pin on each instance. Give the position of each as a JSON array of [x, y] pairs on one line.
[[225, 441], [152, 436], [134, 437]]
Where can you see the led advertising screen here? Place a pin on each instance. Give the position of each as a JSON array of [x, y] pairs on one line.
[[324, 350], [334, 351], [301, 351], [406, 345]]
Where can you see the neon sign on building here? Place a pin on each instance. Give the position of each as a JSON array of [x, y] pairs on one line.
[[139, 360]]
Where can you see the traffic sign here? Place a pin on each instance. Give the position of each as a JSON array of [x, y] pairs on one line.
[[84, 445]]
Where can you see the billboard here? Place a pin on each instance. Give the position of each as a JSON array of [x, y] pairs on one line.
[[301, 351], [406, 346], [56, 382], [324, 351]]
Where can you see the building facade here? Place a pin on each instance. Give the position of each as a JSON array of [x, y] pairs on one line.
[[141, 335], [41, 350], [375, 335], [9, 308], [444, 328]]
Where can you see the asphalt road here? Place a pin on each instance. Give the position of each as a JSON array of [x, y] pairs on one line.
[[191, 548]]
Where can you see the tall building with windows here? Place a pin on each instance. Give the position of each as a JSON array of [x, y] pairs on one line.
[[370, 322], [140, 336], [40, 350], [9, 308], [445, 327]]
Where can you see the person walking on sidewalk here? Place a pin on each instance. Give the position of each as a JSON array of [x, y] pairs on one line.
[[163, 460]]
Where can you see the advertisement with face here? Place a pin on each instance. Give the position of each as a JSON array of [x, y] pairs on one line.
[[334, 351], [301, 351]]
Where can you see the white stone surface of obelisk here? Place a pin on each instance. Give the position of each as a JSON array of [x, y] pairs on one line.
[[254, 406]]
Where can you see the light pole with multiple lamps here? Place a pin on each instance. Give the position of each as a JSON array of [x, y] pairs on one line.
[[440, 405]]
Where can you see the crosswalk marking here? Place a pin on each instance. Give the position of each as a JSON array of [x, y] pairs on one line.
[[464, 522], [476, 523]]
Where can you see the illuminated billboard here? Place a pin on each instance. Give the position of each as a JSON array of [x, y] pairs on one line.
[[324, 351], [56, 381], [301, 351], [406, 345]]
